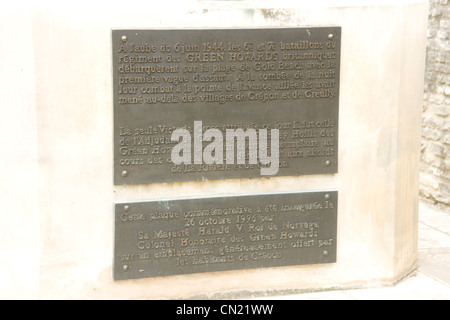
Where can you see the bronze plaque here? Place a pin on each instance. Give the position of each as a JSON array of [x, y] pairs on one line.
[[170, 237], [284, 79]]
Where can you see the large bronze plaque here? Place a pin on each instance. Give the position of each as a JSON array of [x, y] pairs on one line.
[[160, 238], [253, 79]]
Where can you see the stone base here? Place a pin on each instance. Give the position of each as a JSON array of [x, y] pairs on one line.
[[58, 193]]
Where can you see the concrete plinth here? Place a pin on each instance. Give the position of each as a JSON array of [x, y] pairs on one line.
[[57, 119]]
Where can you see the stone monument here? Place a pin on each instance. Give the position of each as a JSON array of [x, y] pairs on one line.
[[121, 123]]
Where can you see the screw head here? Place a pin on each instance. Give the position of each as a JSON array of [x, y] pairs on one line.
[[325, 253], [125, 268], [328, 163], [124, 173], [126, 208], [327, 196], [330, 36], [124, 39]]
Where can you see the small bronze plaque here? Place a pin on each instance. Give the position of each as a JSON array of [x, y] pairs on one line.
[[161, 238], [209, 83]]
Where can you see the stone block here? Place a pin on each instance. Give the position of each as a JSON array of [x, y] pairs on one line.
[[57, 232]]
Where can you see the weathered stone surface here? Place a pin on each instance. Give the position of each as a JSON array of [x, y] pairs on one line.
[[435, 137]]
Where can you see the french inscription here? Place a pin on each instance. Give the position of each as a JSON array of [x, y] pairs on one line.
[[163, 238], [285, 79]]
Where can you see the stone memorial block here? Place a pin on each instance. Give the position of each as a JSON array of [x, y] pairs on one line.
[[93, 96]]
